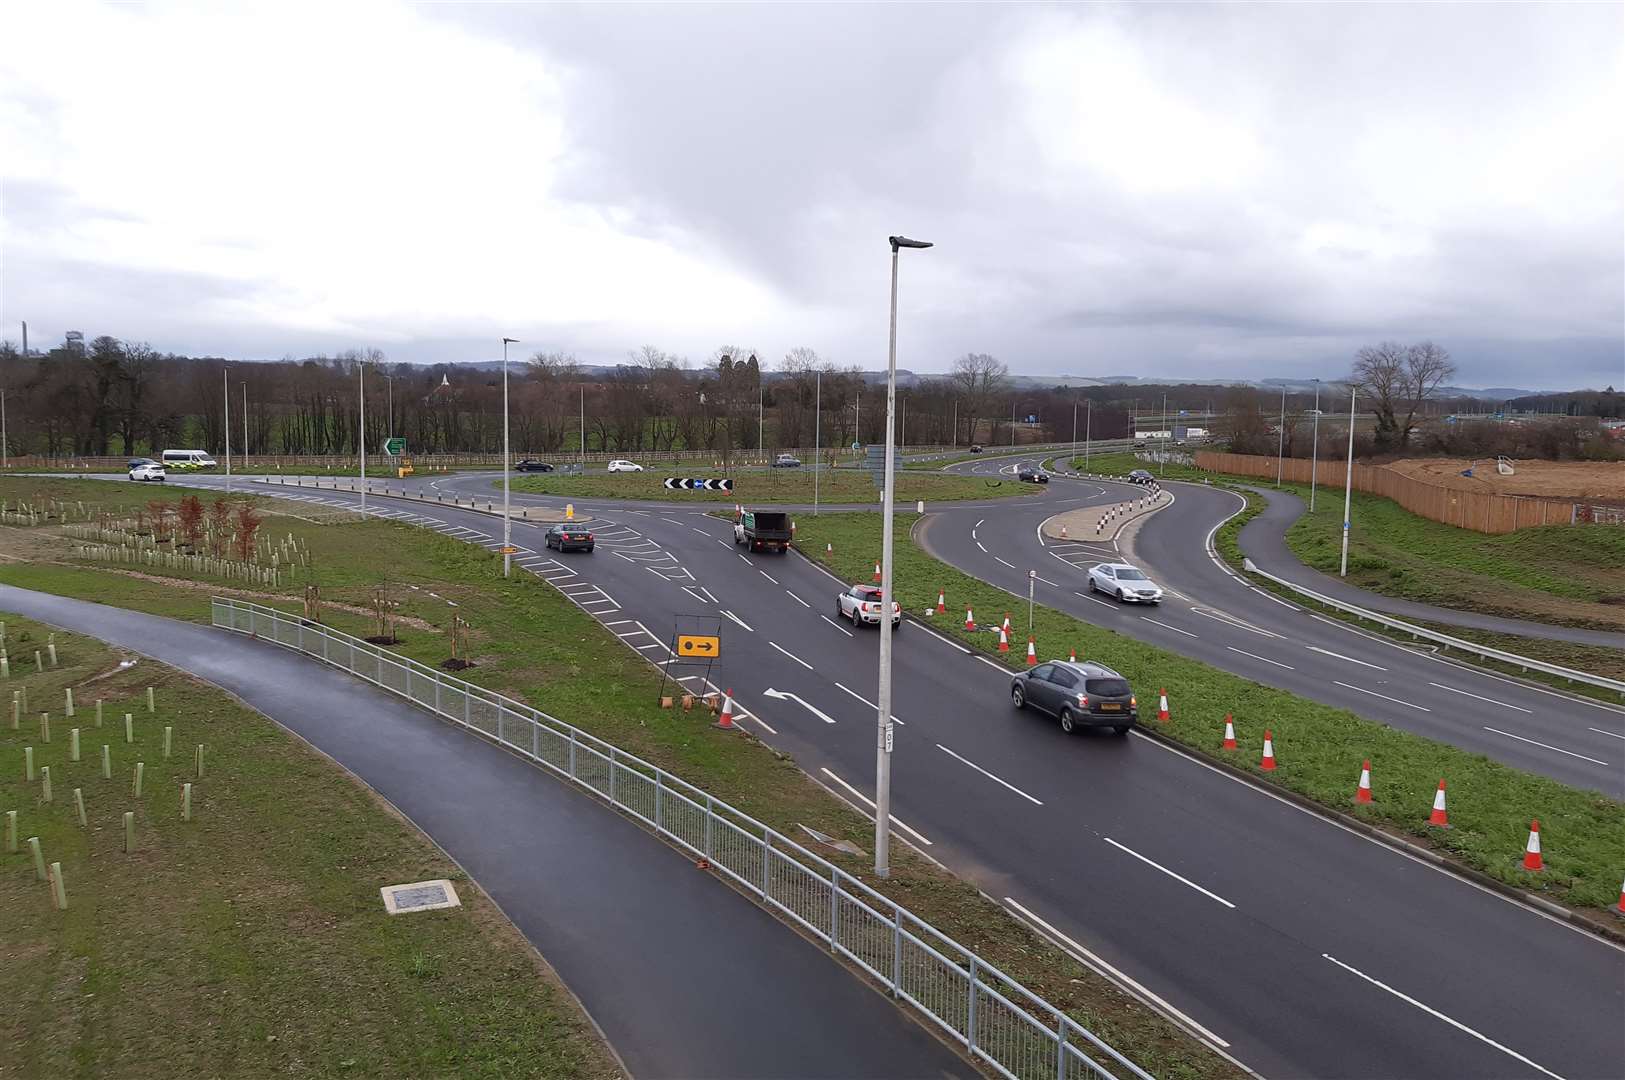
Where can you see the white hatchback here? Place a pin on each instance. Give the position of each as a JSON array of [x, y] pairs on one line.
[[147, 470], [619, 465], [1128, 583]]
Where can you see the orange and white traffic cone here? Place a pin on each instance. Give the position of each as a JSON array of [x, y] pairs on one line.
[[829, 549], [1004, 640], [1229, 734], [1621, 909], [1072, 654], [970, 620], [1267, 762], [1162, 705], [1363, 793], [1007, 622], [877, 573], [1531, 850], [942, 603], [726, 720], [1032, 652], [1440, 817], [1063, 530]]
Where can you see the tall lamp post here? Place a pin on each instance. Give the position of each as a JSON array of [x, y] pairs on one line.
[[883, 724], [818, 432], [225, 397], [5, 453], [1088, 418], [1314, 450], [1280, 439], [507, 522], [1348, 486], [361, 431]]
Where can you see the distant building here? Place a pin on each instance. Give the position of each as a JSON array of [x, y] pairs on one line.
[[74, 341]]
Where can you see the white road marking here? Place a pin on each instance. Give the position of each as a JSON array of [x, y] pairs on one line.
[[866, 701], [1165, 626], [767, 575], [1385, 697], [1046, 581], [736, 619], [797, 599], [1610, 734], [695, 594], [1457, 1024], [621, 622], [1492, 701], [1340, 656], [1090, 960], [1545, 746], [791, 655], [871, 803], [978, 524], [1094, 599], [1170, 873], [1011, 565], [699, 530], [1000, 668], [837, 625], [741, 557], [990, 776], [979, 544], [1231, 620], [1265, 659], [785, 695]]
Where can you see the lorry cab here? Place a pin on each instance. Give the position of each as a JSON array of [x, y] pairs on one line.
[[763, 530]]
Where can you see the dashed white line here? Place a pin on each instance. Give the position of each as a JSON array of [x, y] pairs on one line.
[[866, 701], [1000, 668], [1265, 659], [1094, 599], [797, 599], [1385, 697], [1046, 581], [767, 575], [1545, 746], [1492, 701], [1340, 656], [1610, 734], [990, 776], [837, 625], [871, 804], [1170, 873], [736, 619], [1165, 626], [979, 544], [791, 655]]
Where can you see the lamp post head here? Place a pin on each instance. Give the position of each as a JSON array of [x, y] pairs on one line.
[[905, 242], [510, 341]]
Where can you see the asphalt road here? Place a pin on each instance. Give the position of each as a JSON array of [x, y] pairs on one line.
[[686, 977], [1263, 540], [1302, 947]]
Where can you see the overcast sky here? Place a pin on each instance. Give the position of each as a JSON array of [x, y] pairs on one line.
[[1179, 190]]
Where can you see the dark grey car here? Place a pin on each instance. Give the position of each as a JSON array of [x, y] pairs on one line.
[[1078, 694]]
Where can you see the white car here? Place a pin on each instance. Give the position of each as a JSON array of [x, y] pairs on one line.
[[861, 604], [624, 466], [147, 470], [1127, 583]]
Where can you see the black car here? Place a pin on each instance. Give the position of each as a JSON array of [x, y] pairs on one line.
[[527, 465], [976, 448], [1030, 475], [1141, 476], [569, 538], [1078, 694]]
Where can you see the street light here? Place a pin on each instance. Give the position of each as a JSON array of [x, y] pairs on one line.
[[1348, 486], [507, 522], [361, 429], [1088, 419], [1280, 439], [883, 727], [225, 396], [1314, 450], [818, 419]]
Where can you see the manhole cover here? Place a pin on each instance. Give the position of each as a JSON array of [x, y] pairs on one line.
[[419, 896]]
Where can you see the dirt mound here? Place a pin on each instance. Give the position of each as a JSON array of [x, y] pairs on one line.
[[1602, 480]]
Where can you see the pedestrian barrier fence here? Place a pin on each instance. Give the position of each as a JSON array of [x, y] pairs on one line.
[[1000, 1022]]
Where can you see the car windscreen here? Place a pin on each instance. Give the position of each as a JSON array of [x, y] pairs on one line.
[[1107, 687], [1128, 573]]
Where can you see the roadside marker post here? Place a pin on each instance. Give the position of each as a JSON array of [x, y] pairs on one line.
[[39, 858]]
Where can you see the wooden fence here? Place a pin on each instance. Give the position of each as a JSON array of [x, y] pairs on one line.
[[1481, 511]]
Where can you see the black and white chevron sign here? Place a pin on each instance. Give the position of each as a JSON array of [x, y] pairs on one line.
[[687, 483]]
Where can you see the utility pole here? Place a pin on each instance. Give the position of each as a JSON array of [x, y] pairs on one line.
[[225, 394], [761, 382], [1314, 450], [583, 389], [245, 423], [1074, 428], [361, 432], [1088, 417], [5, 453], [507, 521], [1280, 439], [818, 432], [1348, 487], [1162, 466]]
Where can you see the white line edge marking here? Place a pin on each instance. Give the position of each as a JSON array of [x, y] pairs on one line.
[[1265, 659], [894, 819], [1440, 1016], [1170, 873], [1000, 668], [990, 776], [837, 625], [1492, 701], [1385, 697], [1610, 734], [1340, 656], [1165, 626], [1094, 599], [1545, 746], [791, 655], [737, 619], [979, 544], [1097, 963]]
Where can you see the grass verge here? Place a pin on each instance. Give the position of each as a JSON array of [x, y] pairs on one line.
[[769, 486], [251, 940], [533, 645], [1320, 748]]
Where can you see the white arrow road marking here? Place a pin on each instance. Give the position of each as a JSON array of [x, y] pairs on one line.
[[785, 695]]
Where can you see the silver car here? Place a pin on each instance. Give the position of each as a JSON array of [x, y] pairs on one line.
[[1128, 583]]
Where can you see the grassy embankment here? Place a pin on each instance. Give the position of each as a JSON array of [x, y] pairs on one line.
[[769, 486], [251, 940], [1319, 747], [532, 644]]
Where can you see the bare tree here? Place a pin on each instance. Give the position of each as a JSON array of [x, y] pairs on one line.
[[978, 379], [1396, 380], [1427, 366]]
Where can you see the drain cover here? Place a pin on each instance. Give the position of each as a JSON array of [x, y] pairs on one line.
[[419, 896]]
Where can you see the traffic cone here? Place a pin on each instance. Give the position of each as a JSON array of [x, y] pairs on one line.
[[942, 603], [970, 620], [1006, 622], [1267, 762], [1364, 792], [1063, 530], [1162, 706], [1032, 652], [1004, 640], [877, 573], [1439, 816], [1621, 910], [726, 720], [1531, 850], [1072, 654], [1229, 734], [829, 549]]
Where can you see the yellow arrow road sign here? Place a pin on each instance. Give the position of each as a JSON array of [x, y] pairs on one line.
[[709, 647]]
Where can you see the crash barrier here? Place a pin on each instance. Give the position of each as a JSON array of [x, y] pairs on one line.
[[1000, 1022]]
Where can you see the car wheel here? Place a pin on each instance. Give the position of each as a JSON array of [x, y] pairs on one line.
[[1068, 724], [589, 549], [1119, 596], [897, 625], [1018, 696], [1092, 586], [1120, 729]]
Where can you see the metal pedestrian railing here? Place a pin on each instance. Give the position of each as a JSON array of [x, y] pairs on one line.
[[999, 1021]]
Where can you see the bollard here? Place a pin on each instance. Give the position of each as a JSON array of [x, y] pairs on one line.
[[129, 728], [167, 731], [39, 663], [186, 802], [28, 763], [151, 707], [5, 666], [11, 830], [39, 858], [44, 727], [59, 891], [16, 709], [140, 771], [129, 831], [73, 744], [79, 805], [197, 759], [98, 712], [45, 783], [107, 763], [69, 692], [24, 693], [52, 648]]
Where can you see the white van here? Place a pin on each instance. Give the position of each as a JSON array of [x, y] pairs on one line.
[[187, 459]]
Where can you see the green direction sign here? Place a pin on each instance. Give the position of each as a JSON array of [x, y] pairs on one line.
[[394, 447]]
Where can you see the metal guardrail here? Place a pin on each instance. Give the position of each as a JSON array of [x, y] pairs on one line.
[[1000, 1022], [1524, 662]]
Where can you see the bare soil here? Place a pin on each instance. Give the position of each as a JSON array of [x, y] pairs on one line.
[[1603, 480]]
